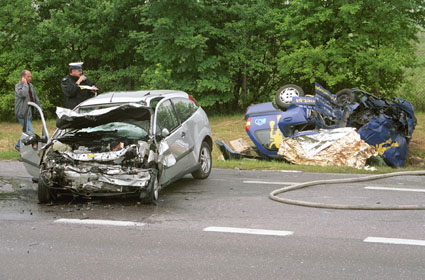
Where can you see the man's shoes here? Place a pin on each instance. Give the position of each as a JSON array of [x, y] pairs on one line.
[[18, 149]]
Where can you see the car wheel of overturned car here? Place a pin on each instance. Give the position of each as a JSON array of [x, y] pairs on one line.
[[284, 95], [345, 97], [205, 160], [44, 194], [150, 195]]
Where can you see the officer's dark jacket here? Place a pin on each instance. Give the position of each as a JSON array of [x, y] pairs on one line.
[[73, 95]]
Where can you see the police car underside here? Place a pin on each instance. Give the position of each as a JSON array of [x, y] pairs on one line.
[[101, 153]]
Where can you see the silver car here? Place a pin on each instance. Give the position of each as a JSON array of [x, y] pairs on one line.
[[120, 143]]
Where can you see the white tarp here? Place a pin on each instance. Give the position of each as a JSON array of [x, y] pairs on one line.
[[339, 146]]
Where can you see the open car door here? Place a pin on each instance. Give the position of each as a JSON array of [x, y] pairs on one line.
[[31, 143]]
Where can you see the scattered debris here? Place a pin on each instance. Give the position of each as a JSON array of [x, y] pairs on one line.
[[241, 146]]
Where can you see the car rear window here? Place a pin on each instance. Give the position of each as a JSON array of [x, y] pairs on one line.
[[263, 136]]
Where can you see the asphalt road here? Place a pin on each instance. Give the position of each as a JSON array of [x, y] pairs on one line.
[[188, 234]]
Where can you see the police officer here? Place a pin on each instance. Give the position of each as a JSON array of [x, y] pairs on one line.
[[76, 87]]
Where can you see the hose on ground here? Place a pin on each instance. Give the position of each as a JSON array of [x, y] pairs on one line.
[[273, 194]]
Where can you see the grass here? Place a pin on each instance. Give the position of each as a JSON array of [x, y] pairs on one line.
[[10, 133], [227, 128], [417, 144]]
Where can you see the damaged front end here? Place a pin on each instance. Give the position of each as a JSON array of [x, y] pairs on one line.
[[87, 173], [102, 153]]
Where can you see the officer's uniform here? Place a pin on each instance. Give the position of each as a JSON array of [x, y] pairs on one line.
[[73, 94]]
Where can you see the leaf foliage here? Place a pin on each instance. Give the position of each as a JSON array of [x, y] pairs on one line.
[[227, 54]]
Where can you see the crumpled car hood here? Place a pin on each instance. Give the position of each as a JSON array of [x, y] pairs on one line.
[[129, 112]]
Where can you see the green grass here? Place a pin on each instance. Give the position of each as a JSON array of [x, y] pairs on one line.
[[9, 155], [278, 165]]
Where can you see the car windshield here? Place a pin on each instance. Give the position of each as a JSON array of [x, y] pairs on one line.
[[131, 131]]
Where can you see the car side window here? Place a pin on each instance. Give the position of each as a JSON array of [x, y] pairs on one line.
[[184, 108], [166, 116]]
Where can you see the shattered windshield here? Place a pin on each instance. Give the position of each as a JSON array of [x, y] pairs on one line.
[[106, 137], [122, 129], [102, 135]]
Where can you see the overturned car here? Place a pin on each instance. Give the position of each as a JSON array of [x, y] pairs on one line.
[[120, 143], [382, 123]]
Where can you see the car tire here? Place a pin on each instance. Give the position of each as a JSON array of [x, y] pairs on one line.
[[151, 194], [345, 97], [284, 95], [205, 160], [44, 194]]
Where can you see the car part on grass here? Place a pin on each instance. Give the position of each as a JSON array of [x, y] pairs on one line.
[[338, 146], [273, 194], [285, 94], [229, 154]]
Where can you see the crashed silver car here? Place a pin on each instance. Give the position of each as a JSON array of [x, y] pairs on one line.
[[120, 143]]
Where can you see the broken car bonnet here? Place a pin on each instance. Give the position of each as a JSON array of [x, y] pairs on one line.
[[129, 112]]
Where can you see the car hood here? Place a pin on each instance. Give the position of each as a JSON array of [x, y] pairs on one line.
[[132, 112]]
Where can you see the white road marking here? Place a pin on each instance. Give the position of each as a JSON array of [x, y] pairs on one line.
[[269, 183], [395, 189], [99, 222], [395, 241], [249, 231]]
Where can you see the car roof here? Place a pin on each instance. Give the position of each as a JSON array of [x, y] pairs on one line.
[[132, 97]]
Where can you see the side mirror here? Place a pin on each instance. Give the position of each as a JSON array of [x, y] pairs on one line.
[[31, 139], [165, 133]]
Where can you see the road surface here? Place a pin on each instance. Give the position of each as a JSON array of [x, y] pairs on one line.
[[224, 227]]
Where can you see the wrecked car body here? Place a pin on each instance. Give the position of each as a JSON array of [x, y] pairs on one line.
[[124, 148], [384, 124]]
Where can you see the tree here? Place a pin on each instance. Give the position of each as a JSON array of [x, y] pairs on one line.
[[227, 54], [344, 44], [16, 18]]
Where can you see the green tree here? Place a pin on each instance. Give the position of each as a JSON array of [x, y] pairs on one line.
[[16, 19], [227, 54], [344, 44], [223, 52]]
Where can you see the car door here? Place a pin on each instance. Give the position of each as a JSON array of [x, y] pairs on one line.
[[31, 143], [166, 118], [185, 108]]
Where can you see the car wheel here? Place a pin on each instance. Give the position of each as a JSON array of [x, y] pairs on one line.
[[151, 194], [44, 194], [284, 95], [205, 160], [345, 97]]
